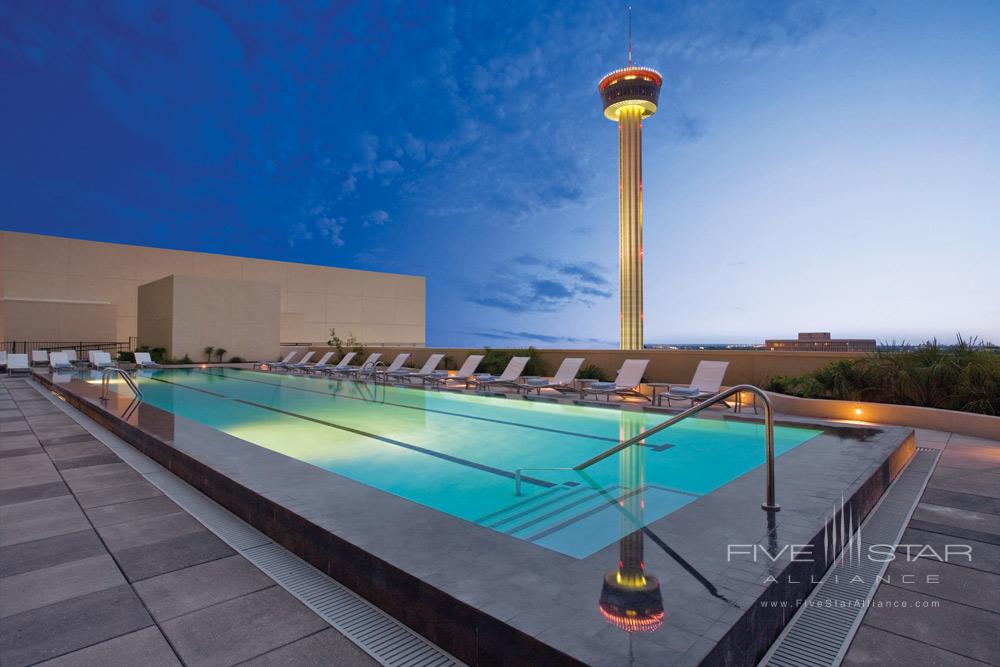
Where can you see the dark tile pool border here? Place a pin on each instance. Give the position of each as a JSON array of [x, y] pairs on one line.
[[463, 629]]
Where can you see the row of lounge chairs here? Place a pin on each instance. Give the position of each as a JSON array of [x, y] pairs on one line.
[[706, 382], [66, 360]]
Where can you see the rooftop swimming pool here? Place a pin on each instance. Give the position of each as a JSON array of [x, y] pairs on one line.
[[457, 453]]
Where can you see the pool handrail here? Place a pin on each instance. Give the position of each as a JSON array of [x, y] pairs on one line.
[[106, 382], [769, 505]]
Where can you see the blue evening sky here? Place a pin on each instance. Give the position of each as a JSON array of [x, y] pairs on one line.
[[814, 165]]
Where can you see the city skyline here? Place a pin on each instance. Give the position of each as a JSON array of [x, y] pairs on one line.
[[813, 166]]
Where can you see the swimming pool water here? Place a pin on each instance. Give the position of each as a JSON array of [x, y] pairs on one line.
[[457, 453]]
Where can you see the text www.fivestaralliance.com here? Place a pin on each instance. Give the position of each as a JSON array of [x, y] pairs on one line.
[[852, 604]]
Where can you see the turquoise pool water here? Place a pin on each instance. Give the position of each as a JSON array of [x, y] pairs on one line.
[[456, 453]]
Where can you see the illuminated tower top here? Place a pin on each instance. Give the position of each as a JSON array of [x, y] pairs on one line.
[[630, 86]]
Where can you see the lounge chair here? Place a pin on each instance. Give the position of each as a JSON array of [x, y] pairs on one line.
[[100, 360], [3, 359], [323, 361], [272, 364], [441, 378], [17, 363], [562, 381], [143, 360], [39, 357], [508, 378], [425, 370], [396, 364], [71, 356], [625, 384], [303, 362], [368, 366], [343, 364], [58, 361], [706, 382]]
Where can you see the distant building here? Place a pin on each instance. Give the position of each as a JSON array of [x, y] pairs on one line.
[[820, 342]]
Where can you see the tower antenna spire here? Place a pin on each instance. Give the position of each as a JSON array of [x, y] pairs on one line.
[[630, 35]]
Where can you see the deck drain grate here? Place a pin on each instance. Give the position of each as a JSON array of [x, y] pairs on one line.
[[821, 635], [378, 634]]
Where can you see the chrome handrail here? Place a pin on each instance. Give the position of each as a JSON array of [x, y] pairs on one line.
[[372, 369], [769, 505], [106, 383]]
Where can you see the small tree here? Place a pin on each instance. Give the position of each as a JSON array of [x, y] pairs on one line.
[[208, 353], [337, 343], [219, 352]]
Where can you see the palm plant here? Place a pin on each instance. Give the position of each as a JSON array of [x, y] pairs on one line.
[[208, 353], [219, 352]]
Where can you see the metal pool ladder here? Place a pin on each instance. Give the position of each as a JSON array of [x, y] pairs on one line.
[[768, 505], [106, 383]]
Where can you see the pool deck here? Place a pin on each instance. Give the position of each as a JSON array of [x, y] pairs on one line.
[[961, 506], [98, 567]]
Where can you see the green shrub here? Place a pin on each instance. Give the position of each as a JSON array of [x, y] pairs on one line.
[[236, 360], [126, 356], [592, 372], [495, 361], [157, 354], [964, 376]]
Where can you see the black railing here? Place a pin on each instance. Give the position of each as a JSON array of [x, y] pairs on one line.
[[81, 347]]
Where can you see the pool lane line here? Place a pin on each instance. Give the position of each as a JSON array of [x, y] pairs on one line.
[[413, 407], [366, 434]]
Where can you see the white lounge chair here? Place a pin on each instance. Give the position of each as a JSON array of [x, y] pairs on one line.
[[39, 357], [393, 367], [272, 364], [625, 384], [441, 378], [322, 362], [562, 381], [58, 361], [17, 363], [143, 360], [101, 360], [508, 378], [425, 370], [368, 366], [341, 365], [706, 382], [301, 363], [71, 356]]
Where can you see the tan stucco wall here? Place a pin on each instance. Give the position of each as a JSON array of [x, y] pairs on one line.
[[57, 322], [185, 314], [374, 307]]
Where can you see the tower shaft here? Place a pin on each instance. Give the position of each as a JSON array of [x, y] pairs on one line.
[[630, 224]]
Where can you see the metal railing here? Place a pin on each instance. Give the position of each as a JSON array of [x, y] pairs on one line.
[[81, 347], [106, 383], [371, 370], [769, 505]]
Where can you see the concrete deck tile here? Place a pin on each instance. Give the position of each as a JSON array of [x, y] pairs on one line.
[[964, 456], [20, 481], [117, 494], [953, 627], [985, 556], [100, 477], [18, 442], [958, 518], [963, 501], [107, 515], [966, 480], [160, 557], [875, 648], [241, 629], [140, 532], [971, 441], [966, 585], [86, 461], [23, 494], [36, 519], [76, 450], [183, 591], [146, 647], [73, 624], [49, 551], [24, 451], [327, 647], [85, 436], [38, 588]]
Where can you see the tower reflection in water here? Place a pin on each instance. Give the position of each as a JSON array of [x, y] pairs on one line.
[[630, 597]]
